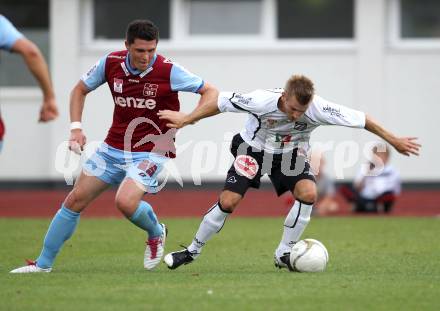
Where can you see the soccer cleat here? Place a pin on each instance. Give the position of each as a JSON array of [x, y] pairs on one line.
[[176, 259], [155, 249], [31, 267], [283, 261]]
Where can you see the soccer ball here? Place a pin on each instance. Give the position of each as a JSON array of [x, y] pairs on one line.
[[308, 255]]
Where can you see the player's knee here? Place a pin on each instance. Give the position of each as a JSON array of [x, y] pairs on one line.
[[75, 201], [306, 194], [309, 196], [125, 204], [229, 201], [305, 191]]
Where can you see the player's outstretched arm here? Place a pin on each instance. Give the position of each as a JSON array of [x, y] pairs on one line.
[[404, 145], [38, 67], [77, 98], [206, 107]]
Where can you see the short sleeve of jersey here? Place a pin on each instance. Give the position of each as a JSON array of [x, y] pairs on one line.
[[258, 102], [8, 34], [183, 80], [325, 112], [96, 75]]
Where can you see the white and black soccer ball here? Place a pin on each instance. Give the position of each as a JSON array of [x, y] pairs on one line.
[[308, 255]]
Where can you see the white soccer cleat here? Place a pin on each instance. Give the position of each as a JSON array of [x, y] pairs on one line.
[[155, 250], [31, 267]]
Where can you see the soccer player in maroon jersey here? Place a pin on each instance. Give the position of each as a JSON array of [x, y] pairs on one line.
[[137, 144]]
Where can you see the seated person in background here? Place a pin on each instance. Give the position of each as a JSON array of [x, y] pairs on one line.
[[325, 186], [375, 188]]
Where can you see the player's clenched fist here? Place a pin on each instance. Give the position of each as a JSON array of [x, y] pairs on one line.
[[77, 141], [49, 111]]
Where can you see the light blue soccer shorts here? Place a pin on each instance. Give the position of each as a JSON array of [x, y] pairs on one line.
[[112, 166]]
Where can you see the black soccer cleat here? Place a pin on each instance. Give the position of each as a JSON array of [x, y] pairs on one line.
[[283, 261], [176, 259]]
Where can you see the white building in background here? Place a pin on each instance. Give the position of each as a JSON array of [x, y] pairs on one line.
[[379, 56]]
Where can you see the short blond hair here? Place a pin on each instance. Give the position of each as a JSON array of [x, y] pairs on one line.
[[301, 87]]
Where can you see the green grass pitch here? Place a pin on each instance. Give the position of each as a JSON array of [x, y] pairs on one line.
[[375, 264]]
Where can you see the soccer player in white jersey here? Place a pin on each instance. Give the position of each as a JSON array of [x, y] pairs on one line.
[[13, 41], [274, 142]]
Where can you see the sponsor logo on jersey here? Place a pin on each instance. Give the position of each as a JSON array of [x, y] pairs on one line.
[[117, 85], [300, 126], [167, 61], [150, 89], [133, 80], [132, 102], [333, 111], [240, 99], [246, 166]]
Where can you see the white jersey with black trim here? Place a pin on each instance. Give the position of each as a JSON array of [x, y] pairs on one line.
[[269, 129]]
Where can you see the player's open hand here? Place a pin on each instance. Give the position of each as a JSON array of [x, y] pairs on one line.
[[407, 145], [176, 118], [49, 110], [77, 141]]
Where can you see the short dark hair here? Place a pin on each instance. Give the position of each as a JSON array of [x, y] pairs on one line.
[[142, 29], [301, 87]]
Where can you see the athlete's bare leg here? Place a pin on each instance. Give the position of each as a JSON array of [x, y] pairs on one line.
[[86, 189]]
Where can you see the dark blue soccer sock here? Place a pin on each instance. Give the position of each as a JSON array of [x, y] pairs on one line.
[[145, 218], [61, 229]]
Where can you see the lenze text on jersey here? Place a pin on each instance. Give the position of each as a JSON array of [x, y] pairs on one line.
[[132, 102]]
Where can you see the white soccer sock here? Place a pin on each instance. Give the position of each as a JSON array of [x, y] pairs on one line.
[[212, 223], [294, 225]]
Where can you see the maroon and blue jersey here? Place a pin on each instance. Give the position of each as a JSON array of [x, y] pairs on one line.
[[138, 97]]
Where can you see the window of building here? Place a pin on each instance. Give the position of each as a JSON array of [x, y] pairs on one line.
[[215, 17], [111, 17], [224, 24], [30, 17], [315, 19], [420, 19]]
